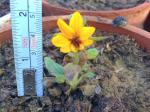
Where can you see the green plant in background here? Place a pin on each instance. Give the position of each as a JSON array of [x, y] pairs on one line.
[[73, 40]]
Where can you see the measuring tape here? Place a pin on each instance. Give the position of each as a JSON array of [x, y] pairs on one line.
[[27, 42]]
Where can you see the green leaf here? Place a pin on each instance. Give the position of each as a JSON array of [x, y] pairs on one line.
[[54, 68], [75, 81], [60, 79], [70, 70], [85, 67], [90, 75], [92, 53]]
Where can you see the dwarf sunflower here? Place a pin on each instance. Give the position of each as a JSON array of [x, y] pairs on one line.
[[73, 37]]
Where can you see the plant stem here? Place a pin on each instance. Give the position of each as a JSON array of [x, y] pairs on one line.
[[75, 58], [100, 38]]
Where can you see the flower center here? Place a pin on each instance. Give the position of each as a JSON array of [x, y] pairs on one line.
[[76, 42]]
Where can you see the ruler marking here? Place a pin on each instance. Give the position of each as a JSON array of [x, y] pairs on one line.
[[28, 32], [19, 10], [26, 27], [32, 32]]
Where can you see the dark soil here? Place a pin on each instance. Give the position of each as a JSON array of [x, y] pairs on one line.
[[97, 4], [4, 7], [123, 81]]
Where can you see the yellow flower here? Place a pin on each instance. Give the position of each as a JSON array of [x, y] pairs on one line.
[[73, 37]]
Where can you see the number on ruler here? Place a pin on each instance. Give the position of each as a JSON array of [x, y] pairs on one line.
[[33, 42], [25, 42], [33, 53], [32, 16], [25, 59], [23, 14]]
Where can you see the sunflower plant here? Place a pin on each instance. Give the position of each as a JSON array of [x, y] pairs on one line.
[[73, 40]]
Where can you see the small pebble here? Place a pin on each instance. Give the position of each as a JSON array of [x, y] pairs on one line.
[[119, 21], [46, 101], [1, 72], [98, 89], [56, 92], [2, 60], [49, 81], [88, 90]]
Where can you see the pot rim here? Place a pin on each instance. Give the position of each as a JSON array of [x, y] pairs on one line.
[[50, 22]]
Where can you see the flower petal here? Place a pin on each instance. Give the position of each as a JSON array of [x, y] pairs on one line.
[[86, 32], [66, 30], [81, 47], [60, 41], [73, 48], [88, 42], [76, 22], [65, 49]]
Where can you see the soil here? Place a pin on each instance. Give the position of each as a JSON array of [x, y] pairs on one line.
[[97, 4], [4, 7], [122, 81]]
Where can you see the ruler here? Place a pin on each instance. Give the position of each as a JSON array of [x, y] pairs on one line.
[[27, 42]]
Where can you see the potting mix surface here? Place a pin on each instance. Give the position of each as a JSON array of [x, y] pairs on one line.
[[122, 83], [97, 4]]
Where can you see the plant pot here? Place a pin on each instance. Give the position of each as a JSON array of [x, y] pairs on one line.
[[141, 36], [49, 23], [135, 16]]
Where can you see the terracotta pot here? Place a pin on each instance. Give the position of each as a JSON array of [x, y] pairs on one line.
[[141, 36], [135, 16]]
